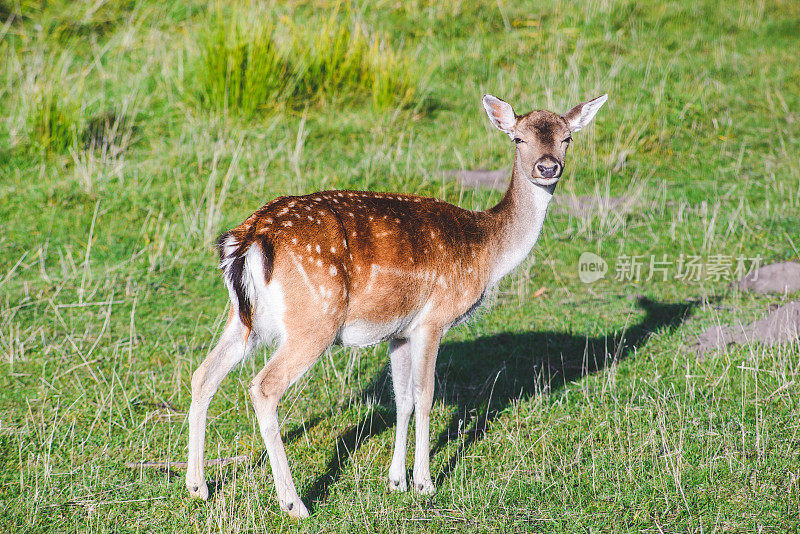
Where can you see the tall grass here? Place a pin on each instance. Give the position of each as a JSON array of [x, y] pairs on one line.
[[53, 123], [343, 57], [244, 65], [240, 68], [41, 94]]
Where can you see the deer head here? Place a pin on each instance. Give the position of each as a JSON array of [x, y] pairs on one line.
[[542, 137]]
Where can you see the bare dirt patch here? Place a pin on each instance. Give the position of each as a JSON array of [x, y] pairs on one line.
[[782, 325], [776, 278], [589, 204], [497, 179]]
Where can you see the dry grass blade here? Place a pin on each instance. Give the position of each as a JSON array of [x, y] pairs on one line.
[[219, 462]]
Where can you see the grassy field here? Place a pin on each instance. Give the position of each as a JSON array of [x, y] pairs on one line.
[[133, 132]]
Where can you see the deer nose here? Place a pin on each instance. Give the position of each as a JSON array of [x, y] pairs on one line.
[[547, 171]]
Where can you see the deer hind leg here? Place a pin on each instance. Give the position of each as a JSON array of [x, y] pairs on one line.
[[231, 349], [293, 358], [399, 354], [424, 348]]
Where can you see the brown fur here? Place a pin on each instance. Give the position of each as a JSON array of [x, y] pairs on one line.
[[377, 255]]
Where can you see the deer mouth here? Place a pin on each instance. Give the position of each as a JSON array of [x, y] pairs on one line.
[[545, 181]]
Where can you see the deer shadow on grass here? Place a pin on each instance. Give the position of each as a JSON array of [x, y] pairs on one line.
[[482, 377]]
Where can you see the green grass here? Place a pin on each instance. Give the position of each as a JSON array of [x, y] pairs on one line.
[[240, 68], [246, 65], [582, 409], [52, 125]]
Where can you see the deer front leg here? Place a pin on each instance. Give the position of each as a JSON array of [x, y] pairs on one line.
[[424, 348], [400, 356], [206, 379]]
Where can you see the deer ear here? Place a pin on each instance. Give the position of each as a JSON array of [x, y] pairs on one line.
[[582, 114], [500, 113]]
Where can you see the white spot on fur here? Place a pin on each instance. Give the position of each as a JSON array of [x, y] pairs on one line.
[[304, 276], [287, 223], [333, 249], [332, 270], [373, 273], [319, 250]]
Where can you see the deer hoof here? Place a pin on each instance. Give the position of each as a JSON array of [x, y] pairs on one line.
[[425, 487], [397, 485], [198, 490], [295, 509]]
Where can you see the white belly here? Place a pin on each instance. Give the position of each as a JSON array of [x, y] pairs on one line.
[[365, 333]]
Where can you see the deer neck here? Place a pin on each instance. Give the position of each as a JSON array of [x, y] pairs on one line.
[[516, 222]]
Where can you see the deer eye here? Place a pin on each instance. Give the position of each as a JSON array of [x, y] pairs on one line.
[[568, 140], [517, 140]]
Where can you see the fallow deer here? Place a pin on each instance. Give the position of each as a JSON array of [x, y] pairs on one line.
[[356, 268]]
